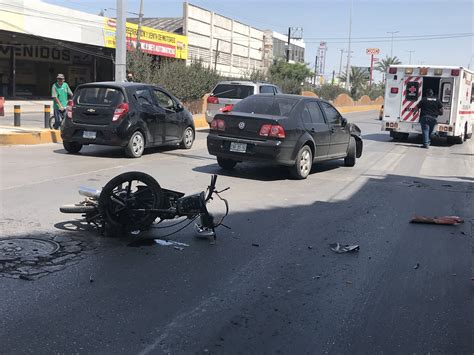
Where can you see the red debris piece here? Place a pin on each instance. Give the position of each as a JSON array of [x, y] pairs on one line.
[[446, 220]]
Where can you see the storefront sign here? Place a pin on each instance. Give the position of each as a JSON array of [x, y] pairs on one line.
[[35, 52], [152, 41]]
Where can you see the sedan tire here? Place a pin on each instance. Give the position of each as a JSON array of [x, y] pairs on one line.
[[350, 159], [226, 164], [135, 146], [303, 164]]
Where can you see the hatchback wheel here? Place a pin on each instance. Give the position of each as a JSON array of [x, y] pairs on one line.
[[226, 164], [135, 146], [303, 164], [72, 147], [188, 138], [350, 159]]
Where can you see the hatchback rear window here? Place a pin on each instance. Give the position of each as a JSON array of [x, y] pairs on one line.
[[266, 105], [100, 96], [232, 91]]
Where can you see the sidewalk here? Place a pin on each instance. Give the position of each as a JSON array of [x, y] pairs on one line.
[[30, 135], [34, 106]]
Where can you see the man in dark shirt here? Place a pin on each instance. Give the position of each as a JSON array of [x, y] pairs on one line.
[[430, 109]]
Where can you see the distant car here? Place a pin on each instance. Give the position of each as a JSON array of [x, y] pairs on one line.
[[231, 92], [289, 130], [381, 113], [130, 115]]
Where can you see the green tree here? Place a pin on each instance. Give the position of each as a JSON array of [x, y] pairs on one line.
[[289, 76], [383, 65]]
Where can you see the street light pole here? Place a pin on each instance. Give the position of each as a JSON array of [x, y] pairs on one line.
[[120, 43], [391, 42], [340, 62], [139, 29], [348, 67], [409, 60]]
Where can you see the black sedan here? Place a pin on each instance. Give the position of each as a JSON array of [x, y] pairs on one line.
[[289, 130], [129, 115]]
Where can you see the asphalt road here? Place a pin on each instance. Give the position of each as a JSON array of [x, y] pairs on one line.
[[270, 284]]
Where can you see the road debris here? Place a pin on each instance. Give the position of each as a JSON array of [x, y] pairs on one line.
[[255, 245], [417, 266], [26, 277], [445, 220], [343, 248], [178, 248], [170, 242], [310, 247], [91, 279]]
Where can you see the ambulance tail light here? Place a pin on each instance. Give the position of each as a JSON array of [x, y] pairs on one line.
[[394, 90], [423, 71], [392, 70], [455, 72]]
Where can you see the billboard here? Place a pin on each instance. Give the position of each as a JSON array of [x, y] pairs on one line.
[[152, 41]]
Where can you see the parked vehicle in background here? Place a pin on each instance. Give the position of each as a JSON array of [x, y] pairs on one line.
[[290, 130], [408, 84], [231, 92], [130, 115]]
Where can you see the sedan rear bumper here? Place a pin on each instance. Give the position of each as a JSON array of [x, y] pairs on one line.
[[274, 151]]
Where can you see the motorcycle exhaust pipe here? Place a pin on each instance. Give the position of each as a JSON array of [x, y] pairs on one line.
[[89, 192]]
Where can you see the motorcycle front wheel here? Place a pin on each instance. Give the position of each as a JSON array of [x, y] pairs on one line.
[[126, 200]]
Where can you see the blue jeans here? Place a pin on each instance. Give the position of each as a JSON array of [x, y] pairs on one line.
[[427, 125], [58, 117]]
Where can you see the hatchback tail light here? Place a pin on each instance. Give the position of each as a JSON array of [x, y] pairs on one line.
[[70, 105], [218, 124], [268, 130], [120, 111], [212, 100], [392, 70]]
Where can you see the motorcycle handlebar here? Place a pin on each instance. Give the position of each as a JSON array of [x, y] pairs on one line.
[[212, 187]]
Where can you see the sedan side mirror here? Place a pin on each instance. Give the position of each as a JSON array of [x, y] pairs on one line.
[[179, 107], [343, 122]]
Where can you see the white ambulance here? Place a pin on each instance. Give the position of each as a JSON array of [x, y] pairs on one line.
[[406, 85]]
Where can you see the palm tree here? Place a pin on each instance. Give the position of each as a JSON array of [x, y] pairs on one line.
[[358, 77], [384, 64]]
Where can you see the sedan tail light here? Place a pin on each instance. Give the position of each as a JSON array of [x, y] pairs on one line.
[[268, 130], [70, 105], [218, 124], [212, 100], [120, 111]]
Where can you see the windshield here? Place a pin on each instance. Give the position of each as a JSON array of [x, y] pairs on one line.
[[232, 91], [101, 96], [266, 105]]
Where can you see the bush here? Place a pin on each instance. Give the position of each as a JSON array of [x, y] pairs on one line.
[[330, 92]]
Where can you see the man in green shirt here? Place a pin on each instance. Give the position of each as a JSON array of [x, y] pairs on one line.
[[60, 93]]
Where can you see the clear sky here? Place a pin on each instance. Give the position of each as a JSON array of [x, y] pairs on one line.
[[326, 20]]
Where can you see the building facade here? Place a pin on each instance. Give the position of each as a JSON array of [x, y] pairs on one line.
[[276, 45]]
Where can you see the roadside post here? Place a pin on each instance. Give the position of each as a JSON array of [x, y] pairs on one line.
[[17, 115], [372, 52], [47, 114]]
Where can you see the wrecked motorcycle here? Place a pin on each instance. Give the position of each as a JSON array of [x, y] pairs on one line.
[[133, 201]]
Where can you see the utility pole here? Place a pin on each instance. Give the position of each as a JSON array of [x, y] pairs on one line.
[[333, 74], [120, 43], [409, 60], [391, 42], [340, 62], [216, 55], [348, 67], [315, 70], [139, 30], [288, 48]]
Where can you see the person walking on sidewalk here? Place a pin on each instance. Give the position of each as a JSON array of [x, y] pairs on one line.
[[60, 93], [430, 108]]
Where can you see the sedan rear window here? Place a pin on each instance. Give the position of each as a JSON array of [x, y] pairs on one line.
[[232, 91], [101, 96], [266, 105]]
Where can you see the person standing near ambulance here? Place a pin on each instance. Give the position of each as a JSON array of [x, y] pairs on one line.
[[430, 108], [60, 93]]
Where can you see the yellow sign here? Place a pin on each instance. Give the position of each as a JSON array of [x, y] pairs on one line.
[[156, 42]]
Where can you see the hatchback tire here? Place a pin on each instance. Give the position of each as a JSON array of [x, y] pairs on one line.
[[188, 138], [72, 147], [135, 146], [226, 164], [303, 164], [350, 159]]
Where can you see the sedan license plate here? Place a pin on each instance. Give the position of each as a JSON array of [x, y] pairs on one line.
[[238, 147], [88, 134]]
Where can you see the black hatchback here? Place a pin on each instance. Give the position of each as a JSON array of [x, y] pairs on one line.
[[289, 130], [129, 115]]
